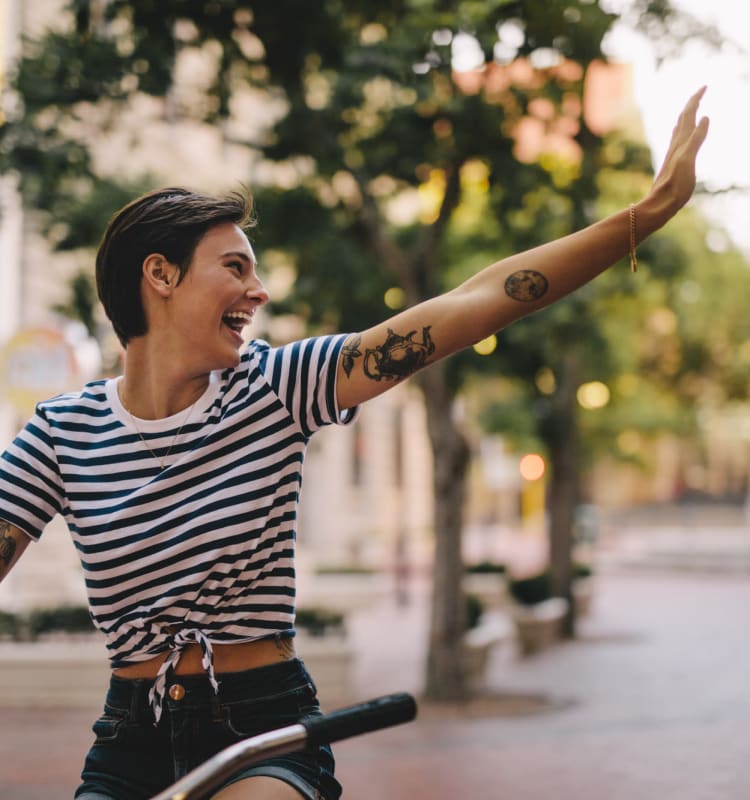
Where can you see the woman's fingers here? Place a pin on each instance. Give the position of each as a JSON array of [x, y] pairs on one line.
[[678, 169], [692, 104], [698, 136], [686, 127], [686, 120]]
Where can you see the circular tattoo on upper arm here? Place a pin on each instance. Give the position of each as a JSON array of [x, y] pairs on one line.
[[526, 285]]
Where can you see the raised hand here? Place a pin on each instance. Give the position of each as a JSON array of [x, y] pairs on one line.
[[675, 181]]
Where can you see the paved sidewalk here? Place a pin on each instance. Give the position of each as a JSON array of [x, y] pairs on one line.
[[651, 702]]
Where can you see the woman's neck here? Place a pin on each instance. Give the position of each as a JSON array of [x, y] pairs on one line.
[[153, 387]]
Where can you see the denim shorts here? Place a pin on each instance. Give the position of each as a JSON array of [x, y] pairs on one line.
[[133, 759]]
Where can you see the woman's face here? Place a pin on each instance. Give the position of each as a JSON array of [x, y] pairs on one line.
[[217, 298]]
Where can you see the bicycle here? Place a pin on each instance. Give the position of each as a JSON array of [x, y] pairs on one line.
[[372, 715]]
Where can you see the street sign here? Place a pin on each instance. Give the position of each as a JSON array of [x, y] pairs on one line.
[[35, 364]]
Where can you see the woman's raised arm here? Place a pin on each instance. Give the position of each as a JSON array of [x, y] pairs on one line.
[[379, 358]]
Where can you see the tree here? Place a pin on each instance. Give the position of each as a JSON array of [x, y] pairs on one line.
[[653, 348], [385, 148]]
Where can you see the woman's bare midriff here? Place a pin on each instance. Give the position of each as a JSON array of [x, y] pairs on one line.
[[227, 658]]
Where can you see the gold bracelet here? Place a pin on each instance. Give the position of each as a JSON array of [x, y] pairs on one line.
[[633, 260]]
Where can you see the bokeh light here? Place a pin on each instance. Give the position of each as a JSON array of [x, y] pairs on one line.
[[395, 298], [486, 346], [592, 395], [531, 467]]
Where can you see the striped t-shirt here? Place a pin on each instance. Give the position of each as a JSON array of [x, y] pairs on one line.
[[207, 544]]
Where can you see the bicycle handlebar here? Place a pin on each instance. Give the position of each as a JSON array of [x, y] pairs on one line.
[[381, 712]]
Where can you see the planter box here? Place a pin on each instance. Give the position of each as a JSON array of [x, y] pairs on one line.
[[70, 673], [344, 591], [329, 659], [540, 625], [478, 644], [490, 588]]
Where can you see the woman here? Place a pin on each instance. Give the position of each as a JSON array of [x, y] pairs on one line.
[[179, 480]]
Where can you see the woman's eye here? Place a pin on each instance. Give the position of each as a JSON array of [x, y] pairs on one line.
[[235, 265]]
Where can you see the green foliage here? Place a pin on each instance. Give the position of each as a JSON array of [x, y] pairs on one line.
[[81, 220], [66, 69], [344, 569], [319, 621], [68, 619], [60, 619], [327, 257], [531, 590], [474, 610], [82, 302], [582, 570], [10, 625], [40, 621], [486, 568]]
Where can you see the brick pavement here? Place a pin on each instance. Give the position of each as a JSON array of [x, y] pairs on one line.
[[651, 702]]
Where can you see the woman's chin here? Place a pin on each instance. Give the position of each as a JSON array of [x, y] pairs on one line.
[[220, 359], [229, 360]]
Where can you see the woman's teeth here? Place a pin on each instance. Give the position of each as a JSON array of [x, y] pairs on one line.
[[237, 319]]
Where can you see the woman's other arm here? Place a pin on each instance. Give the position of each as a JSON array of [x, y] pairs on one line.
[[13, 542]]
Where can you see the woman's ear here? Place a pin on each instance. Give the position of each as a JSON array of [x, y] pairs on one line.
[[159, 274]]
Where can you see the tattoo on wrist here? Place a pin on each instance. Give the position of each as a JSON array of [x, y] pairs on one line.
[[526, 285], [398, 356], [349, 352], [7, 544]]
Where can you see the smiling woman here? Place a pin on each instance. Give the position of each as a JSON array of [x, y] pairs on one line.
[[179, 482], [168, 222], [199, 313]]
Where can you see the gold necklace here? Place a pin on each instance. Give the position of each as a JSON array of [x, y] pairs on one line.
[[162, 465]]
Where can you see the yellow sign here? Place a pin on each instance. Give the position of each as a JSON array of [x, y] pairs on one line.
[[35, 364]]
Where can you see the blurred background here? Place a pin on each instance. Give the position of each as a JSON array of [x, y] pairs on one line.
[[549, 533]]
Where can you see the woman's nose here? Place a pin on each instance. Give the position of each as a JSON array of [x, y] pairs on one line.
[[257, 292]]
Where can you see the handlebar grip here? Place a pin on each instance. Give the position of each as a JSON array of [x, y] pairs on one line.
[[382, 712]]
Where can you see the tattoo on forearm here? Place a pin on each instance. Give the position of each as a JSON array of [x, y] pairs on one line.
[[349, 352], [526, 285], [7, 544], [398, 356]]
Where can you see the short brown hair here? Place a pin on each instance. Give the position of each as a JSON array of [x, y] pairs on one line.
[[167, 221]]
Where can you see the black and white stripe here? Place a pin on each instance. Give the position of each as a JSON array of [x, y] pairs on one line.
[[208, 543]]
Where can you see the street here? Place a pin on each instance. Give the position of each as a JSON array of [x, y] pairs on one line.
[[651, 701]]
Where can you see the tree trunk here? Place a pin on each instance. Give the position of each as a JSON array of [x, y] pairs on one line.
[[446, 679], [563, 491]]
